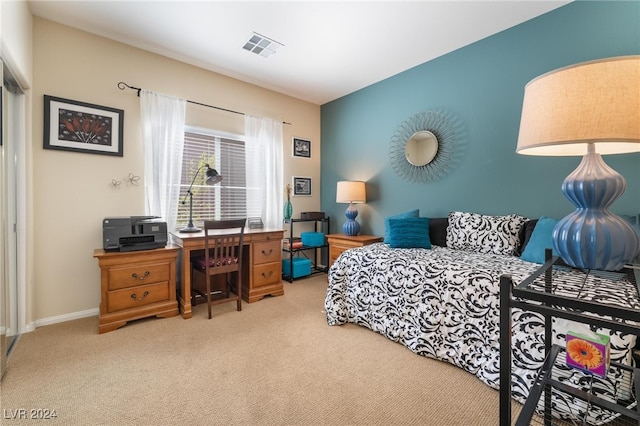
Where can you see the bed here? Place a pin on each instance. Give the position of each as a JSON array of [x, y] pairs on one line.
[[442, 301]]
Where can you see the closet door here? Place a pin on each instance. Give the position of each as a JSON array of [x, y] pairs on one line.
[[3, 279], [12, 130]]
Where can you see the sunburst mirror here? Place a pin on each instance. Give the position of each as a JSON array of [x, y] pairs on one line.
[[423, 147]]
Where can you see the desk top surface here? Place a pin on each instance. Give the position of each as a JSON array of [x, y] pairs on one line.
[[182, 238]]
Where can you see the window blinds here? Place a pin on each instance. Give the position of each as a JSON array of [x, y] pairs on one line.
[[225, 200]]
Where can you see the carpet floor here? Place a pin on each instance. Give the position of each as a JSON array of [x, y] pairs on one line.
[[276, 362]]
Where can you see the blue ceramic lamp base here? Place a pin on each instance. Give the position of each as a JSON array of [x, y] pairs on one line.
[[592, 237], [351, 227]]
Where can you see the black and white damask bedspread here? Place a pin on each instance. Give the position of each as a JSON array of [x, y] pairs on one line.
[[444, 304]]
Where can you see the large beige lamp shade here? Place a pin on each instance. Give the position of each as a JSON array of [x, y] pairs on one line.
[[351, 192], [587, 109], [594, 102]]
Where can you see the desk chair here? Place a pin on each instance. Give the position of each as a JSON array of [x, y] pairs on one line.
[[222, 255]]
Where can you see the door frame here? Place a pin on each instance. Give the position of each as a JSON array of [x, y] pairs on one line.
[[13, 209]]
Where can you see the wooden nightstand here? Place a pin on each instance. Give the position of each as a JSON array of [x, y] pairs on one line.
[[136, 285], [340, 242]]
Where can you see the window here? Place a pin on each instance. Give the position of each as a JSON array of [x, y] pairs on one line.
[[225, 153]]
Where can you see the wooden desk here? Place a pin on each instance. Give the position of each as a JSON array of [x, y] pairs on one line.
[[262, 273]]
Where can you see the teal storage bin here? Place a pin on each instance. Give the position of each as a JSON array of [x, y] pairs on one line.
[[312, 239], [301, 267]]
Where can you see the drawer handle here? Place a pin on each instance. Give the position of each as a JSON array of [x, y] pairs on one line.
[[145, 294], [267, 254], [267, 275], [146, 274]]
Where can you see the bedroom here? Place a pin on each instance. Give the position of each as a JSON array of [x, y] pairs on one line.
[[481, 83]]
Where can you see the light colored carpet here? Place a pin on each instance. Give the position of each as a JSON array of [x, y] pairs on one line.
[[276, 362]]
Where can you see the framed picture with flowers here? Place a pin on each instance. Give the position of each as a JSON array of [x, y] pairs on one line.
[[82, 127]]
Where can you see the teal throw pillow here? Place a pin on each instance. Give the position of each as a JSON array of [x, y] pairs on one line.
[[634, 221], [410, 232], [540, 240], [411, 213]]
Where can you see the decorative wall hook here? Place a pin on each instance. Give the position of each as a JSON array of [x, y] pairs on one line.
[[133, 179], [130, 180]]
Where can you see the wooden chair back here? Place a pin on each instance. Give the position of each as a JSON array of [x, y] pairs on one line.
[[223, 253]]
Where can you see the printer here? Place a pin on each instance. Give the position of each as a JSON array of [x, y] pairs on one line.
[[133, 233]]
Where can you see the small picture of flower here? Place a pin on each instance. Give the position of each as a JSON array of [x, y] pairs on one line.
[[584, 353]]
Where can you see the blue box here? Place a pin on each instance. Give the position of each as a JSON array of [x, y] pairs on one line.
[[301, 267], [312, 239]]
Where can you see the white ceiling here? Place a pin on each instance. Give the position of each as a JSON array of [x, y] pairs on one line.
[[331, 48]]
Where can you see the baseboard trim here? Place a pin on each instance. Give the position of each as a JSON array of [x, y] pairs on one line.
[[63, 318]]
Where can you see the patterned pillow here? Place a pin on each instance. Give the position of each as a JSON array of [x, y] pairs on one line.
[[484, 234]]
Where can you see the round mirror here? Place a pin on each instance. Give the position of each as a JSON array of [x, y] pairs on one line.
[[417, 154], [421, 148]]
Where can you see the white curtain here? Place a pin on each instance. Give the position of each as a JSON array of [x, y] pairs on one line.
[[265, 191], [163, 120]]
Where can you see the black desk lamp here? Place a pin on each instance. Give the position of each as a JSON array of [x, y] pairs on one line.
[[212, 178]]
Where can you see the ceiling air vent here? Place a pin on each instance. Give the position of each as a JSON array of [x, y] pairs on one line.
[[261, 45]]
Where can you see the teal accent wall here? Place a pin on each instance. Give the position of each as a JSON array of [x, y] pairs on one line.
[[483, 86]]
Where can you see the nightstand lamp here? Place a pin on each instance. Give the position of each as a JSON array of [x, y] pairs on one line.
[[588, 109], [351, 192]]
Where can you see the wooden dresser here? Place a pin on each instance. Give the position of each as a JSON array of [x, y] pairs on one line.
[[136, 285], [341, 242]]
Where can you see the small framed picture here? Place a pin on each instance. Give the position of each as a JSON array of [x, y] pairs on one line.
[[82, 127], [301, 147], [301, 185]]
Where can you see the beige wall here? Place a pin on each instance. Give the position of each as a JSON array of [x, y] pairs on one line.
[[72, 191], [15, 38]]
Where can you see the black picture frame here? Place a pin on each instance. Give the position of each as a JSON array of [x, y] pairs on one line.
[[302, 186], [301, 147], [82, 127]]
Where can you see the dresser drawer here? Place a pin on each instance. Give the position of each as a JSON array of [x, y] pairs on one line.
[[266, 236], [335, 252], [137, 296], [267, 274], [130, 276], [266, 251]]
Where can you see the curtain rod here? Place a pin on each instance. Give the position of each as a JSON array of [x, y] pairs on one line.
[[122, 85]]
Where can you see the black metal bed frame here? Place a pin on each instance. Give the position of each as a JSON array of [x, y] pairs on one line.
[[520, 296]]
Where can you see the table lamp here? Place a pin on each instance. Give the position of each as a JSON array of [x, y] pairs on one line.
[[212, 178], [588, 109], [351, 192]]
